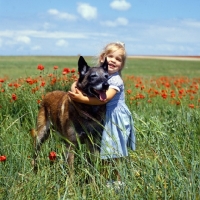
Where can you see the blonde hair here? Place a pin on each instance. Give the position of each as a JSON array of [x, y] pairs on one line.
[[112, 47]]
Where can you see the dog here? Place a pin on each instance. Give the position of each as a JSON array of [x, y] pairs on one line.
[[74, 121]]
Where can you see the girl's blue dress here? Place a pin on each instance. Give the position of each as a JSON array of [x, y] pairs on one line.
[[119, 131]]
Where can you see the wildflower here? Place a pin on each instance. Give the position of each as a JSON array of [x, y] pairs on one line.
[[73, 71], [55, 67], [2, 158], [191, 105], [14, 97], [129, 91], [167, 84], [40, 67], [29, 80], [66, 71], [191, 97], [16, 85], [142, 87], [52, 156], [136, 85], [1, 80], [164, 95], [42, 84]]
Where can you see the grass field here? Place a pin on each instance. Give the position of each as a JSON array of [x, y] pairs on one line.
[[15, 67], [164, 98]]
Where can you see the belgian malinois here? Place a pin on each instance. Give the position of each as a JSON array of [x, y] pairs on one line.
[[74, 121]]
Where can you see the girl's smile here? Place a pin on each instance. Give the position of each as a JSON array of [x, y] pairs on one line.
[[114, 61]]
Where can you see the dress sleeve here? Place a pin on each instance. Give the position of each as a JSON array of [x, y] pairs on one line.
[[115, 82]]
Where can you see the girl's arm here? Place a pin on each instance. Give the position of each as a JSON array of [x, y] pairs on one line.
[[73, 86], [79, 97]]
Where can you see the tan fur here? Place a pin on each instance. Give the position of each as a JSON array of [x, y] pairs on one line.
[[69, 120]]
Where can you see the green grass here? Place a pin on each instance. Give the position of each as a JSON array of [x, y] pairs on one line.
[[165, 164], [15, 67]]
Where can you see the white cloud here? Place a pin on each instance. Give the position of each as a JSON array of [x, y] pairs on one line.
[[120, 5], [61, 43], [41, 34], [23, 39], [120, 21], [191, 23], [86, 11], [35, 48], [13, 39], [47, 25], [61, 15]]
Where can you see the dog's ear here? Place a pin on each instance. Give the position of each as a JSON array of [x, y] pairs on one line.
[[105, 65], [82, 66]]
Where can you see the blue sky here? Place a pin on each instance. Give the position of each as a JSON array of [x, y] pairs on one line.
[[66, 27]]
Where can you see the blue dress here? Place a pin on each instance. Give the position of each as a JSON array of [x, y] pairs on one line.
[[118, 133]]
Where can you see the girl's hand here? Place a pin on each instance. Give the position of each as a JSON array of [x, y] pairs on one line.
[[76, 96]]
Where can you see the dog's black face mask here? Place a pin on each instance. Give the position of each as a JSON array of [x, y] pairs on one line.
[[93, 80]]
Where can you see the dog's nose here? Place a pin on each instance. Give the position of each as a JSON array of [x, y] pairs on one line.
[[105, 86]]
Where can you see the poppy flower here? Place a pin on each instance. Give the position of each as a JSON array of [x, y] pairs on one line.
[[42, 84], [55, 67], [2, 158], [129, 91], [14, 97], [73, 71], [40, 67], [164, 95], [191, 105], [1, 80], [52, 156], [66, 71], [38, 101]]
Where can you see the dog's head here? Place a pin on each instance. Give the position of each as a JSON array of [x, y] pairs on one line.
[[93, 80]]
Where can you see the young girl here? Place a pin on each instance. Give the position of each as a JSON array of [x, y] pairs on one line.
[[119, 130]]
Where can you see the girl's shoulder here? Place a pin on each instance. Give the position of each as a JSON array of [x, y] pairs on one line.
[[115, 79]]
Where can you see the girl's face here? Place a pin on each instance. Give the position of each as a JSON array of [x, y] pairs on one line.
[[114, 61]]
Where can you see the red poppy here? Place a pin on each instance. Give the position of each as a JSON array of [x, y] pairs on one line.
[[29, 80], [1, 80], [16, 85], [2, 158], [40, 67], [129, 91], [52, 156], [42, 84], [14, 97], [191, 106], [55, 67], [164, 95], [73, 71], [66, 71]]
